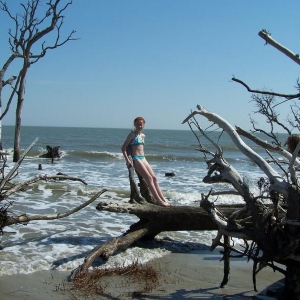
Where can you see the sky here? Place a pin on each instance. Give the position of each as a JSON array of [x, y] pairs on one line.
[[157, 59]]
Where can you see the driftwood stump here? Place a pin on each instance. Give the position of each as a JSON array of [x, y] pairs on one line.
[[52, 152]]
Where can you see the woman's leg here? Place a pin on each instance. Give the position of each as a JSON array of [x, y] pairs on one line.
[[141, 168], [157, 187]]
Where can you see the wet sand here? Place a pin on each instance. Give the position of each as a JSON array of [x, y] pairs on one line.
[[194, 275]]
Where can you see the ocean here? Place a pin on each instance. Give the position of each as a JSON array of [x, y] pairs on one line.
[[94, 155]]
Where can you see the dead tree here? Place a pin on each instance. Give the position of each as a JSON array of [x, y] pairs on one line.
[[274, 239], [34, 24]]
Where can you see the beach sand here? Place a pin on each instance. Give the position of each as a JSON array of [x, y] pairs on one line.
[[193, 275]]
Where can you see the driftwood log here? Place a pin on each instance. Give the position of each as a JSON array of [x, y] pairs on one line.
[[153, 219]]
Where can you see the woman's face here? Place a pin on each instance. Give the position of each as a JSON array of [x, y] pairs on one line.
[[139, 125]]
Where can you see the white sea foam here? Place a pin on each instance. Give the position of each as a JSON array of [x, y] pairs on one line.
[[117, 155], [64, 243]]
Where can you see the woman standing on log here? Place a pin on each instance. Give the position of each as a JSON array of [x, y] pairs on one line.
[[136, 141]]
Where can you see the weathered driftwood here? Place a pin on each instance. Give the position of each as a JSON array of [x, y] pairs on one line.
[[269, 40], [153, 219], [274, 238], [24, 218]]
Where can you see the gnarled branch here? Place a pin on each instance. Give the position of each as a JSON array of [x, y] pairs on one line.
[[24, 218]]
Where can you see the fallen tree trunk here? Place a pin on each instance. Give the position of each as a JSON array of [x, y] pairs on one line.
[[153, 219], [174, 218]]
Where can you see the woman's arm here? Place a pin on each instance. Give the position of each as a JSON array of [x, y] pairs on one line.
[[124, 147]]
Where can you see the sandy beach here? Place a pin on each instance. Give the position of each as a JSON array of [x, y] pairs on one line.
[[194, 275]]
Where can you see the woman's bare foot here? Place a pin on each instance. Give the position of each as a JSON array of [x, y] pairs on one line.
[[163, 203], [166, 201]]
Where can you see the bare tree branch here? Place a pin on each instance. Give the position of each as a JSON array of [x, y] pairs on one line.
[[45, 177], [274, 177], [287, 96], [16, 166], [25, 218], [266, 145], [264, 34]]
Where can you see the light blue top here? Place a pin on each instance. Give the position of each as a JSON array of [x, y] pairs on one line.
[[138, 140]]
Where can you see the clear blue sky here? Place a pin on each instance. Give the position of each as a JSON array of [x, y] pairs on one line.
[[158, 59]]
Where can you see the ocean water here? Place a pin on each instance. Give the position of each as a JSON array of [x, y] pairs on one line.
[[94, 155]]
